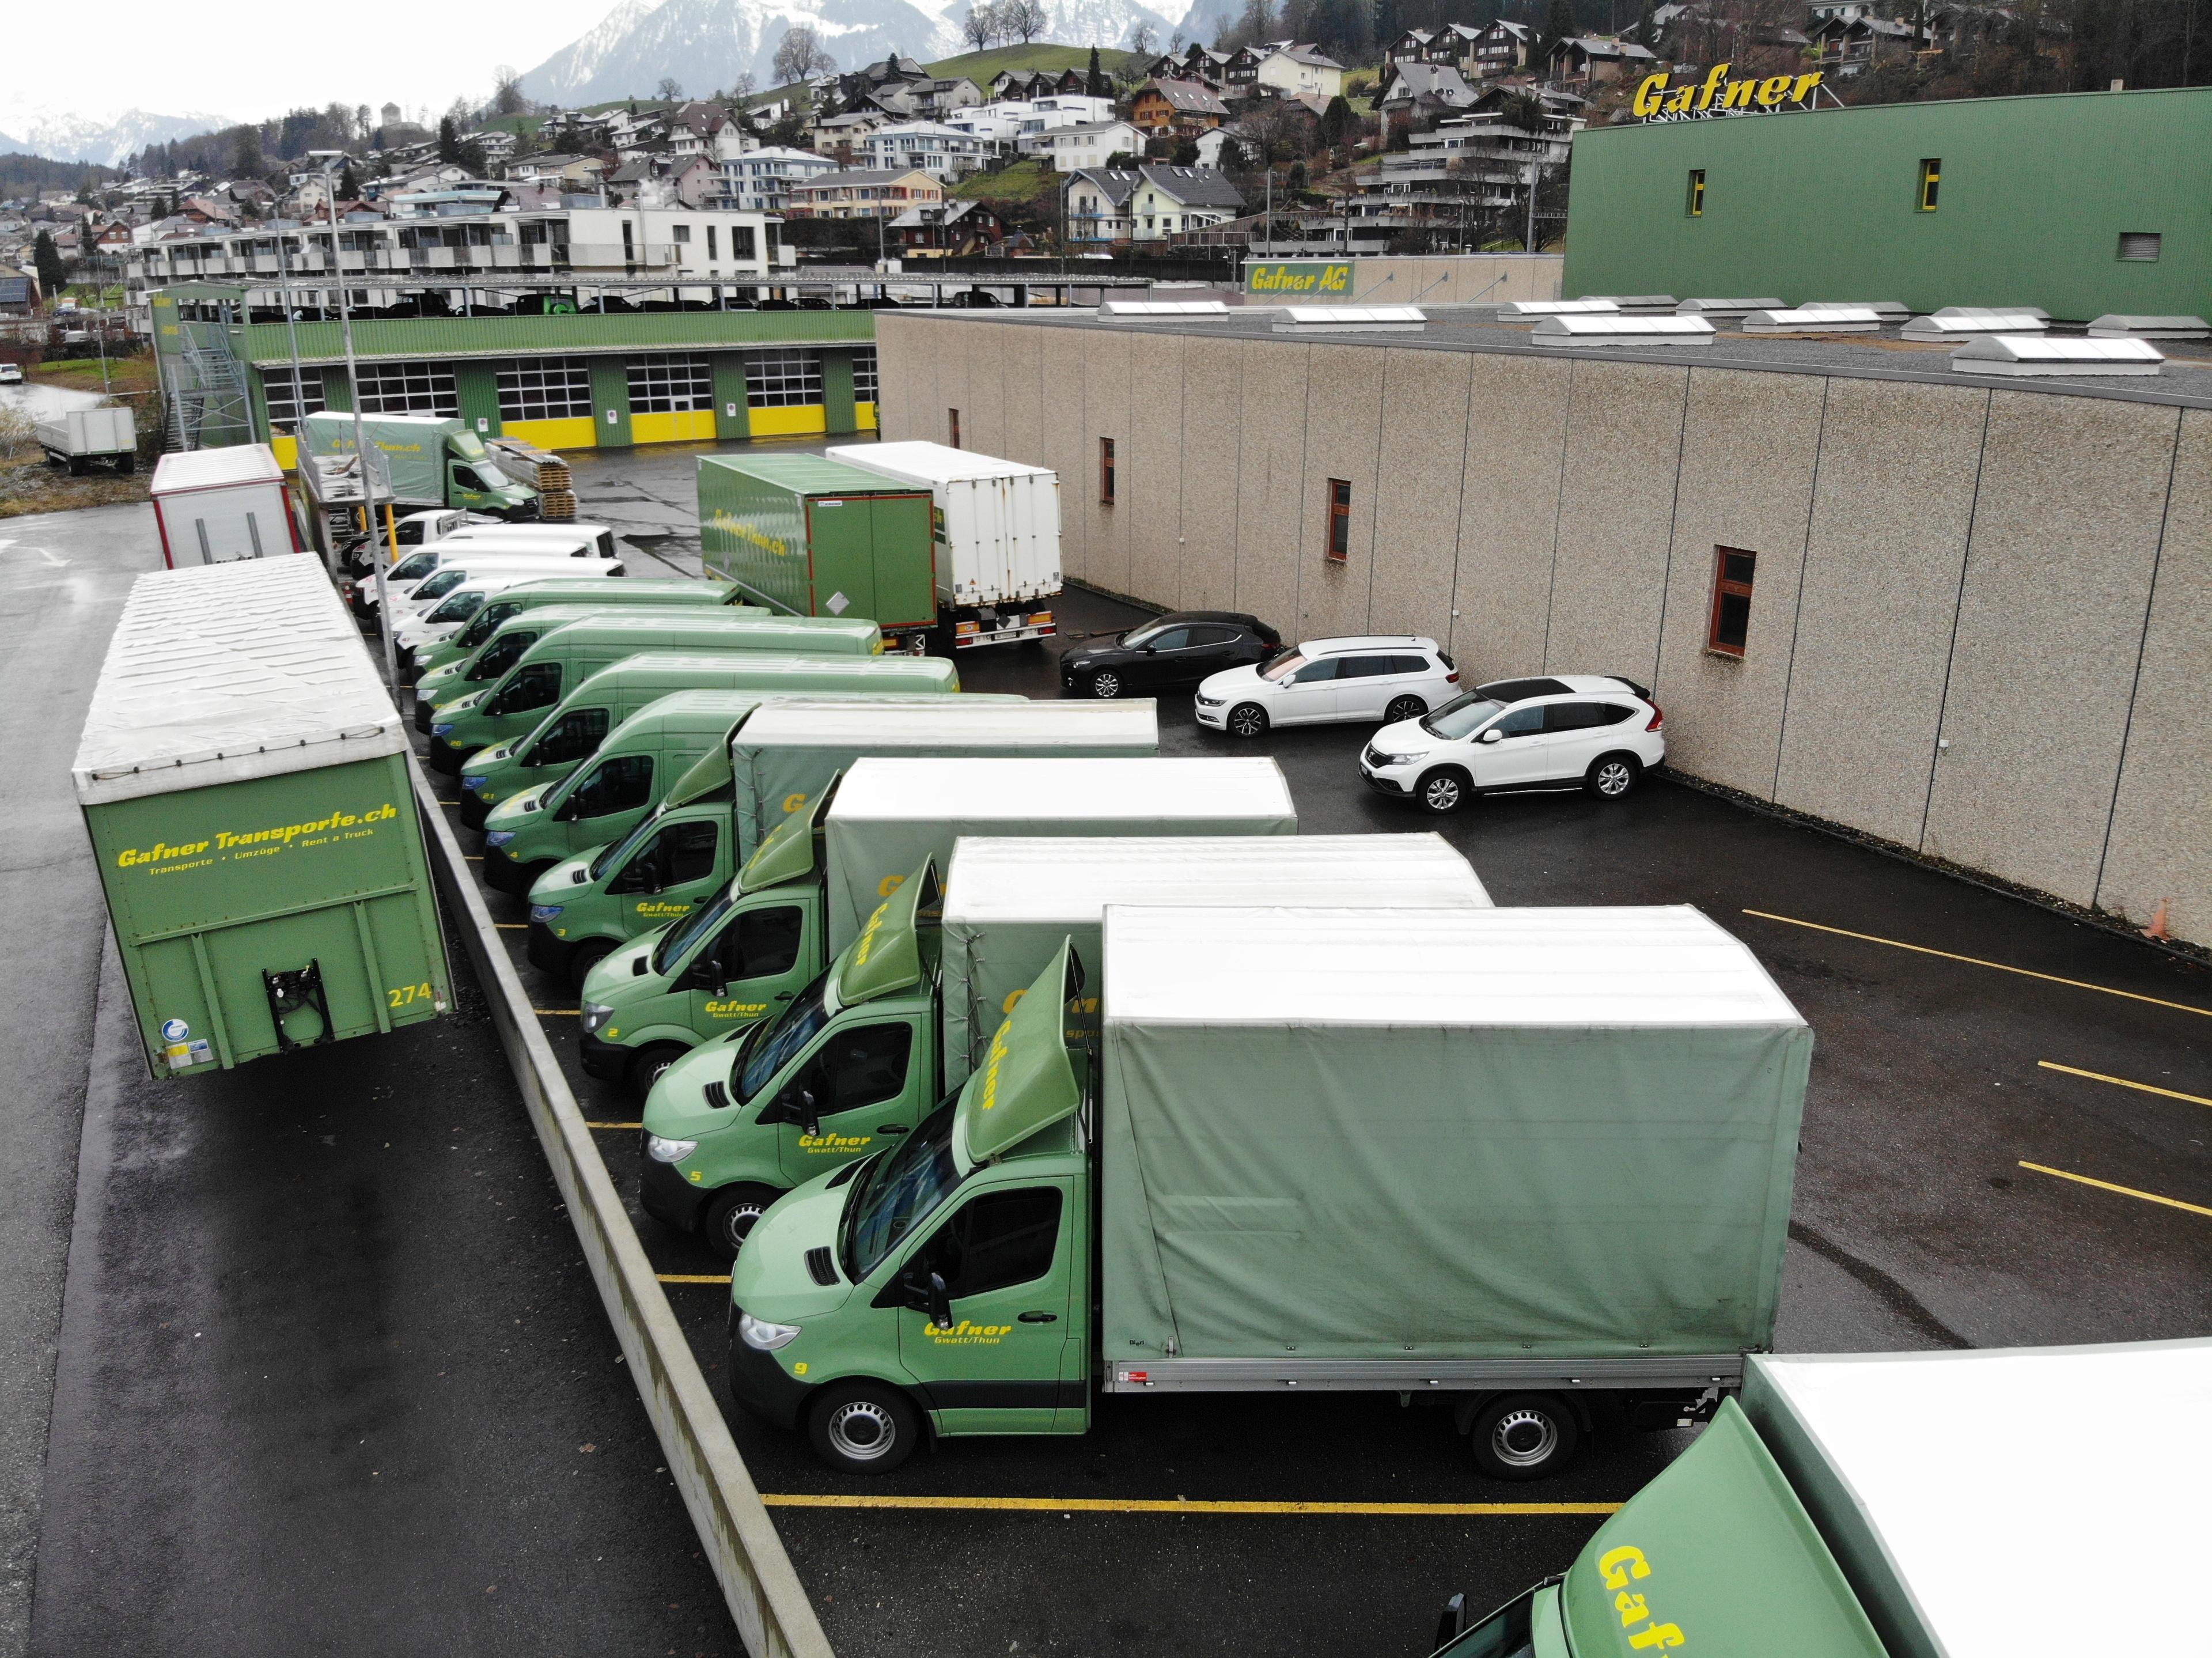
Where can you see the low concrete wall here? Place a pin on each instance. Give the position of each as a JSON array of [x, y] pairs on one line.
[[1442, 279], [1981, 618], [771, 1610]]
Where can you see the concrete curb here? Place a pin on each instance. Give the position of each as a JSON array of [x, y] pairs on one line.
[[771, 1610]]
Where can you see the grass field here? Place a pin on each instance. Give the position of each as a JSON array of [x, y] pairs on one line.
[[1018, 182], [981, 66], [133, 373]]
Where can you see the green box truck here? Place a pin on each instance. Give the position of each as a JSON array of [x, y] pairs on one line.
[[809, 536], [1903, 1505], [426, 460], [781, 761], [582, 720], [245, 782], [1521, 1156], [716, 1117], [563, 658]]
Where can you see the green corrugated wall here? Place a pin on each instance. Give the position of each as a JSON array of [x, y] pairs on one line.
[[610, 402], [478, 384], [732, 418], [837, 392]]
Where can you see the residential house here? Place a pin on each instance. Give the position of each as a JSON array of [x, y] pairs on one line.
[[19, 296], [1183, 109], [573, 173], [840, 135], [1411, 48], [1170, 201], [1419, 96], [948, 229], [1590, 60], [1464, 174], [760, 180], [862, 193], [930, 100], [1503, 48], [1229, 146], [1094, 205], [930, 146], [708, 129], [1089, 144], [1285, 67], [1848, 46]]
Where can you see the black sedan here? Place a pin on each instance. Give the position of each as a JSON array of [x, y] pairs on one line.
[[1177, 649]]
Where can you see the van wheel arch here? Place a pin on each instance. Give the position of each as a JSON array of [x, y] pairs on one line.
[[841, 1414]]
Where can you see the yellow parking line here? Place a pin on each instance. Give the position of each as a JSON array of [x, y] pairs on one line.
[[2125, 1191], [589, 1124], [2122, 1082], [1975, 960], [557, 1013], [1176, 1505], [693, 1278]]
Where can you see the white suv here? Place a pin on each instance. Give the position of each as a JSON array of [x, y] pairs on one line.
[[1383, 678], [1602, 733]]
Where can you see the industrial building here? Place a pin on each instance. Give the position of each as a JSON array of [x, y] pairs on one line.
[[1963, 615], [2083, 204]]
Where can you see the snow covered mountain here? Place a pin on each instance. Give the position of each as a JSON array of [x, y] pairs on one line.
[[105, 136], [706, 44]]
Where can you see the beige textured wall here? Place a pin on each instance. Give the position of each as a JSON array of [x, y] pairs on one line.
[[2026, 576]]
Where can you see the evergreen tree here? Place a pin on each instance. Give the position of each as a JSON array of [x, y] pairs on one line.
[[348, 186], [1558, 26], [47, 260], [246, 160], [1094, 81], [449, 140]]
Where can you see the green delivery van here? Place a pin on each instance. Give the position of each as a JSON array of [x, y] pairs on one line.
[[1517, 1157], [581, 719], [716, 1142], [563, 658], [245, 785], [483, 667], [461, 637], [809, 537]]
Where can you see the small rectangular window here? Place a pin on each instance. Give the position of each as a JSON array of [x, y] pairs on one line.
[[1730, 626], [1931, 176], [1106, 471], [2139, 245], [1340, 520], [710, 244], [683, 233], [1697, 204], [952, 421]]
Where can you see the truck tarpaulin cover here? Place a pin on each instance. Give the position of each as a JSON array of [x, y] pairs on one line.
[[1490, 1134]]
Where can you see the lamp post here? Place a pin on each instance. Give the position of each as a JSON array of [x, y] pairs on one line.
[[332, 159]]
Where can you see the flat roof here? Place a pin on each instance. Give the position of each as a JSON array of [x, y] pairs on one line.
[[1480, 328]]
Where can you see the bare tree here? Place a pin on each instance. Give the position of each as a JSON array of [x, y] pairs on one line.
[[507, 95], [1023, 17], [743, 85], [1144, 40], [801, 56], [981, 24], [670, 91]]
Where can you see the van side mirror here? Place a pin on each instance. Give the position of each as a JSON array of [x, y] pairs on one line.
[[705, 972], [1452, 1624], [940, 1303], [810, 1119]]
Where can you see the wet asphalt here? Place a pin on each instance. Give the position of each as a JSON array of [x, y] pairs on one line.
[[251, 1285]]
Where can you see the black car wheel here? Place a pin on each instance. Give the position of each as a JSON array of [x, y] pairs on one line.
[[1248, 720], [1106, 685], [1404, 708]]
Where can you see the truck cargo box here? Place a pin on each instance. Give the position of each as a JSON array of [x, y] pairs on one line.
[[214, 504], [997, 522], [810, 537], [1506, 1134], [244, 781], [77, 436]]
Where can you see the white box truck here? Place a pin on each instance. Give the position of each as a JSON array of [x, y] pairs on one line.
[[997, 527], [75, 438], [215, 505]]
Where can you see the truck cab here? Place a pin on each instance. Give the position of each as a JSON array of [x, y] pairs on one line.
[[847, 1065], [945, 1281]]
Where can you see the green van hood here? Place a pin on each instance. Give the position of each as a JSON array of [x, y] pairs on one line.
[[677, 1108], [559, 883], [460, 705], [517, 811], [1028, 1080], [770, 1277], [1716, 1557]]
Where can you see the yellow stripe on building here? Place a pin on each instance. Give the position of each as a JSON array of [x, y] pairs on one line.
[[692, 426], [582, 433], [790, 423], [864, 416]]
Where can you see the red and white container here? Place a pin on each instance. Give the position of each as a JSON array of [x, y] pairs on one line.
[[216, 505]]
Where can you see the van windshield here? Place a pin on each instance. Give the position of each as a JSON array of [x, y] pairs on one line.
[[614, 854], [1461, 715], [487, 621], [1289, 662], [412, 569], [441, 584], [680, 939], [501, 655], [896, 1193], [459, 608], [794, 1029]]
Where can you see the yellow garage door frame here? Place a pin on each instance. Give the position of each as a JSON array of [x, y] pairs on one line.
[[691, 426], [864, 416], [799, 421], [581, 432]]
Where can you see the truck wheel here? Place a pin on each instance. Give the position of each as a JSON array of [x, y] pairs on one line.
[[585, 957], [730, 1216], [863, 1427], [645, 1069], [127, 465], [1248, 720], [1524, 1436], [1612, 776]]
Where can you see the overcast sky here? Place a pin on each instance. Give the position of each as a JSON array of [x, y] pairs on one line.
[[252, 62]]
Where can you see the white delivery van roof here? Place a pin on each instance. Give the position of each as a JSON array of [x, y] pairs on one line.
[[1612, 968], [930, 463], [969, 790], [954, 720], [1949, 1461], [215, 469], [219, 672], [1009, 881]]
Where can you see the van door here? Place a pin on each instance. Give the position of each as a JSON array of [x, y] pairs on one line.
[[671, 875], [865, 1075], [620, 783], [1005, 1258], [763, 957], [572, 738]]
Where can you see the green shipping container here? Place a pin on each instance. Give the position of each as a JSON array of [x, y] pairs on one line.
[[810, 537], [244, 777]]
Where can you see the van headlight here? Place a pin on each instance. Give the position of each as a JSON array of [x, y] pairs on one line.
[[473, 781], [661, 1150], [764, 1337], [443, 728], [596, 1015], [500, 838], [545, 913]]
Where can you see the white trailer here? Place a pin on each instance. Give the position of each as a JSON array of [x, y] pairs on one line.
[[216, 505], [76, 437], [997, 524]]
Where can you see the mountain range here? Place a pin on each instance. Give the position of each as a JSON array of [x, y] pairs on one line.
[[705, 45], [104, 137]]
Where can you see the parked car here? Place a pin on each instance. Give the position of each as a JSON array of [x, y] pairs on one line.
[[1387, 677], [11, 374], [1602, 732], [1180, 648]]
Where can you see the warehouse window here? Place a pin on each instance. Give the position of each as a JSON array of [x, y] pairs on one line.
[[711, 253], [783, 379], [1931, 175], [408, 388], [1340, 520], [669, 385], [1730, 626], [283, 411], [863, 375], [952, 425], [2139, 245], [741, 242], [1106, 471], [1697, 204], [546, 388]]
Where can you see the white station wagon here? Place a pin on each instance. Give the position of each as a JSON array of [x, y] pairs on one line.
[[1384, 677], [1603, 733]]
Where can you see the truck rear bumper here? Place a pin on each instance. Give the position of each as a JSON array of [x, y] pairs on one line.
[[757, 1382], [1569, 1376]]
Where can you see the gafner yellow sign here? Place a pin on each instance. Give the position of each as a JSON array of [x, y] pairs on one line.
[[1718, 95]]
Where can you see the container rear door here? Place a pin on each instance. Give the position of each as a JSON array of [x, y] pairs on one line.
[[903, 556], [223, 525], [842, 538]]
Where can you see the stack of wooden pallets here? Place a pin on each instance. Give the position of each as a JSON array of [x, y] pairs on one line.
[[544, 470]]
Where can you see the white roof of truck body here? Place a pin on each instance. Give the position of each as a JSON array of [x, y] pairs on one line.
[[219, 672], [929, 463], [1109, 725], [1612, 969], [2014, 1537], [1025, 789], [215, 469], [994, 881]]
